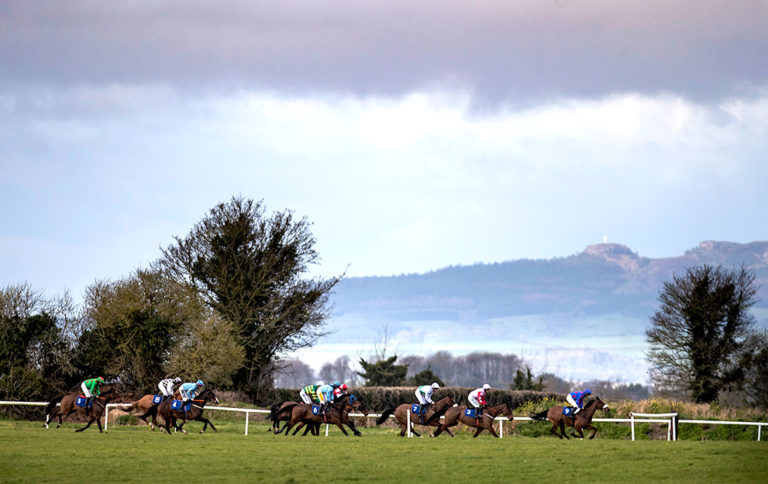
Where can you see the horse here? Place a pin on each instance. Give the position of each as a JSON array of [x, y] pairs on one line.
[[282, 412], [431, 417], [338, 414], [67, 406], [583, 419], [145, 405], [455, 415], [195, 412]]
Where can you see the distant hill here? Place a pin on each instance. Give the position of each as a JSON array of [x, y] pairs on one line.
[[583, 316]]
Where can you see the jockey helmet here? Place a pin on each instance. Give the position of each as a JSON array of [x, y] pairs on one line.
[[320, 383], [177, 380], [486, 387], [587, 392], [101, 379], [337, 383], [435, 385], [200, 383], [344, 386]]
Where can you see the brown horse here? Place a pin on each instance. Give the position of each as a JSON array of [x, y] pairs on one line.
[[431, 417], [67, 407], [142, 408], [337, 414], [583, 419], [282, 413], [455, 415], [171, 416]]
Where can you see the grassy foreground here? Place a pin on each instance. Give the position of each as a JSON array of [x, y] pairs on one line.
[[30, 453]]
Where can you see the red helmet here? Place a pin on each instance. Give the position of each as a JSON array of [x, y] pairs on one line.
[[344, 386]]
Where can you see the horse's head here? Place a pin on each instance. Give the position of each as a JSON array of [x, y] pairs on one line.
[[358, 405], [600, 405], [445, 402], [208, 396]]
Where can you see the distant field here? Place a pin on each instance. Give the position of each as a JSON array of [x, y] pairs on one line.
[[30, 453]]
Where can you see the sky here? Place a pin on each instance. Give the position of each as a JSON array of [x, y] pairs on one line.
[[414, 135]]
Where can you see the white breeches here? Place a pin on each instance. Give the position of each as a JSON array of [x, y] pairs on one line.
[[85, 390], [422, 399], [473, 401], [307, 399], [570, 400], [166, 390]]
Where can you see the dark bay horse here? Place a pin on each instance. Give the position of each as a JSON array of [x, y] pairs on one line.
[[142, 409], [67, 407], [454, 415], [583, 419], [195, 412], [431, 418], [337, 414]]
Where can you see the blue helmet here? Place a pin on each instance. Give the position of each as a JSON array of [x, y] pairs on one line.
[[337, 383], [200, 383], [587, 392]]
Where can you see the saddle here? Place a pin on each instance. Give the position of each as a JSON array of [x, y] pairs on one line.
[[568, 411], [157, 399], [80, 401], [474, 413], [178, 404]]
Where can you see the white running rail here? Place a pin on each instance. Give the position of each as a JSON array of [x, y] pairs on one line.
[[652, 418]]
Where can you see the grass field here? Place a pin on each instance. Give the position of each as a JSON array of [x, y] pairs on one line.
[[30, 453]]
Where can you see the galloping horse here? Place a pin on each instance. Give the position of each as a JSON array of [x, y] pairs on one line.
[[583, 419], [455, 415], [145, 405], [195, 412], [67, 406], [431, 418], [338, 414], [283, 412]]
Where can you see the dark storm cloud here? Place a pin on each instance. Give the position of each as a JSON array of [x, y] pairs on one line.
[[502, 50]]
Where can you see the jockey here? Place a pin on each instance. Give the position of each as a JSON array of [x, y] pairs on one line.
[[188, 391], [424, 394], [325, 395], [309, 394], [166, 386], [340, 390], [477, 397], [576, 399], [90, 389]]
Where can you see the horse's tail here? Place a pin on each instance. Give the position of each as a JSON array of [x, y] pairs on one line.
[[273, 411], [384, 416], [540, 415], [131, 407], [50, 407]]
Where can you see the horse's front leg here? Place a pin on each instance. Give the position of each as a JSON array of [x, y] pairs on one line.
[[89, 424], [577, 428], [207, 423], [492, 430], [298, 427], [594, 431], [341, 426], [477, 432]]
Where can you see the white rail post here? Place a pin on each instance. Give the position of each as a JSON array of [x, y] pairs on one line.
[[106, 417], [759, 428], [501, 428], [632, 424], [326, 429], [247, 414], [409, 422]]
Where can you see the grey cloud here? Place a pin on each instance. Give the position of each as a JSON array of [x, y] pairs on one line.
[[501, 50]]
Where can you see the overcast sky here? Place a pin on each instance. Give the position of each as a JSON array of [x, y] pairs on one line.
[[413, 134]]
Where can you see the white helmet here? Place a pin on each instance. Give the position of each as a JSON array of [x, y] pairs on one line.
[[435, 385], [321, 383], [486, 387]]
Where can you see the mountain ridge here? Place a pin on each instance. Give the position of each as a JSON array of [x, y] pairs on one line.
[[578, 313]]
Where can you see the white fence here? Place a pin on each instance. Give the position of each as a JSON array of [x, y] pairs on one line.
[[634, 417]]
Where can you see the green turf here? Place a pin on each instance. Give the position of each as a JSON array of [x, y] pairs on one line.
[[30, 453]]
